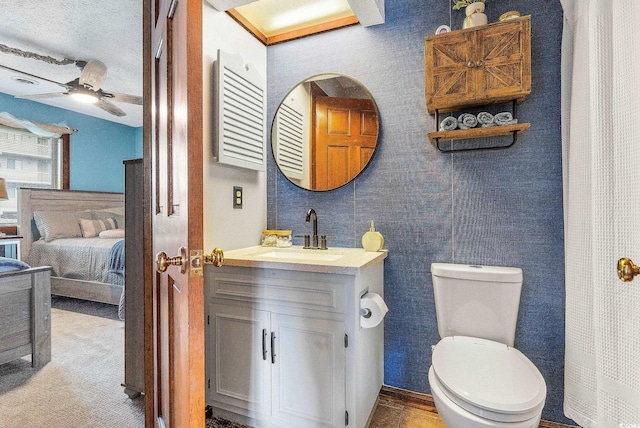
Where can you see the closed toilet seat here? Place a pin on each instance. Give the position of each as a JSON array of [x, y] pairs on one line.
[[488, 379]]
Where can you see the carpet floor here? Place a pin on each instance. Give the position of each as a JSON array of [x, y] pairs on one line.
[[81, 386]]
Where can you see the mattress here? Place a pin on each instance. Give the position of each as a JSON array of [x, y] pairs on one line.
[[85, 259]]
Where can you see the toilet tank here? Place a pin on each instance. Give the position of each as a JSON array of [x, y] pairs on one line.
[[477, 301]]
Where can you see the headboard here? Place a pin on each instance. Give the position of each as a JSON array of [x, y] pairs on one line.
[[30, 200]]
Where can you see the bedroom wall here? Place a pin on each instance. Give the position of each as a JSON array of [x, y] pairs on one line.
[[241, 227], [488, 207], [96, 150]]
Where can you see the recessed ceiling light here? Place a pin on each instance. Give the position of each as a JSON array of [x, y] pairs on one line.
[[24, 80], [273, 17]]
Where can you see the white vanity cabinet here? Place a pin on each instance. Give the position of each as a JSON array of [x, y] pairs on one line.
[[284, 347]]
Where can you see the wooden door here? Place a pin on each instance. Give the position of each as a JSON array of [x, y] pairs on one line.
[[346, 132], [175, 67], [450, 70], [505, 61]]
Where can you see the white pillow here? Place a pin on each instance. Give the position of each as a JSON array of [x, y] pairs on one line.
[[58, 224], [113, 233], [91, 228]]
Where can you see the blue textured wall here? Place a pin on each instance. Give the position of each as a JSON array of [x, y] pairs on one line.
[[96, 150], [488, 207]]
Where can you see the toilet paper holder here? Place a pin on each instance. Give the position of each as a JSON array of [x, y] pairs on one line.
[[365, 312]]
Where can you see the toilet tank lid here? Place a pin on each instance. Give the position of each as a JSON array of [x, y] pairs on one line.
[[477, 272]]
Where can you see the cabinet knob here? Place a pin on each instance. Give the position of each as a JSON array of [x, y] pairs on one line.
[[479, 63], [471, 64]]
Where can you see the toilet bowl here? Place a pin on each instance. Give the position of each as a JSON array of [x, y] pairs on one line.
[[477, 378], [482, 383]]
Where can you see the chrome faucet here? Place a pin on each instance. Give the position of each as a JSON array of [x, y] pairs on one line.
[[312, 216]]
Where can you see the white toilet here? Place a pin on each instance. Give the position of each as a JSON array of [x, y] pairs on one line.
[[477, 377]]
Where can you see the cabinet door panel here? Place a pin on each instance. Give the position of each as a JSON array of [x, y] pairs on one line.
[[309, 372], [505, 51], [240, 376], [450, 79]]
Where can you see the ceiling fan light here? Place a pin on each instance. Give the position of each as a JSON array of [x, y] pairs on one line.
[[84, 96]]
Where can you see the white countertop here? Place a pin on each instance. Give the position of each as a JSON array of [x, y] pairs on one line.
[[334, 260]]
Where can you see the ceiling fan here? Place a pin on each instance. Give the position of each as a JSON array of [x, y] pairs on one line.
[[86, 88]]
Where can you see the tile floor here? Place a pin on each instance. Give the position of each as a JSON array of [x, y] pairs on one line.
[[405, 409], [397, 410], [394, 415]]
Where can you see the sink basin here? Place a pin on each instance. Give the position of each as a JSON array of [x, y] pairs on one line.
[[308, 255]]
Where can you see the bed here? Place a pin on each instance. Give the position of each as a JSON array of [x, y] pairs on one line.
[[63, 229], [25, 312]]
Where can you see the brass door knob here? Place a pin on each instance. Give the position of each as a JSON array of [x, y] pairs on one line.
[[216, 257], [163, 261], [627, 270]]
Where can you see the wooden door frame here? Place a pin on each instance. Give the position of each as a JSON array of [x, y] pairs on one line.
[[147, 225]]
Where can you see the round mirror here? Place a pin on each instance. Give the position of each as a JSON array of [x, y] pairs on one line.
[[325, 132]]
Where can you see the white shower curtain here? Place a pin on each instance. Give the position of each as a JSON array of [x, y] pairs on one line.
[[601, 167]]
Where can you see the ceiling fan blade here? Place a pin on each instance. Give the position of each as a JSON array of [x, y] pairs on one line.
[[110, 108], [34, 76], [125, 98], [93, 74], [40, 96]]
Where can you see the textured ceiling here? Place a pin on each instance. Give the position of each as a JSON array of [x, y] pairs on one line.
[[109, 31]]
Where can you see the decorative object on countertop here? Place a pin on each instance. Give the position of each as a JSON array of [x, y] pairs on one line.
[[485, 119], [372, 240], [467, 121], [504, 118], [449, 123], [276, 238]]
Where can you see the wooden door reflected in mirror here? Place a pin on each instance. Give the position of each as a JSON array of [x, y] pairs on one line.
[[325, 132]]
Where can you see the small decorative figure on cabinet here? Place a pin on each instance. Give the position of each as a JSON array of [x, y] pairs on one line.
[[474, 9]]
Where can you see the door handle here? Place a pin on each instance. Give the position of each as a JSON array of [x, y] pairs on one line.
[[216, 257], [163, 261], [627, 270]]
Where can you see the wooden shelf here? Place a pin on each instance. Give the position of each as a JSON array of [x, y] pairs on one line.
[[464, 134]]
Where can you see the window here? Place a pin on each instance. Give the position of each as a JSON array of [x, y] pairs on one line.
[[27, 160]]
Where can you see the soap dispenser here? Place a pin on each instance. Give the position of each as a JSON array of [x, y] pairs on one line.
[[372, 240]]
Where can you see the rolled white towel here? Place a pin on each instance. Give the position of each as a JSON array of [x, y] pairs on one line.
[[485, 119], [466, 121], [449, 123], [504, 118]]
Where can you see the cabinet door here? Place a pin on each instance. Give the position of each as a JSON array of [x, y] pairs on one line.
[[309, 372], [505, 70], [450, 70], [238, 370]]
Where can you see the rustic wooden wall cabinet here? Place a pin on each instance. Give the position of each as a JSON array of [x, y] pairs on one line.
[[478, 66]]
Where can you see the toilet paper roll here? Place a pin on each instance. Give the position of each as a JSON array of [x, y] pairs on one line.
[[373, 310]]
